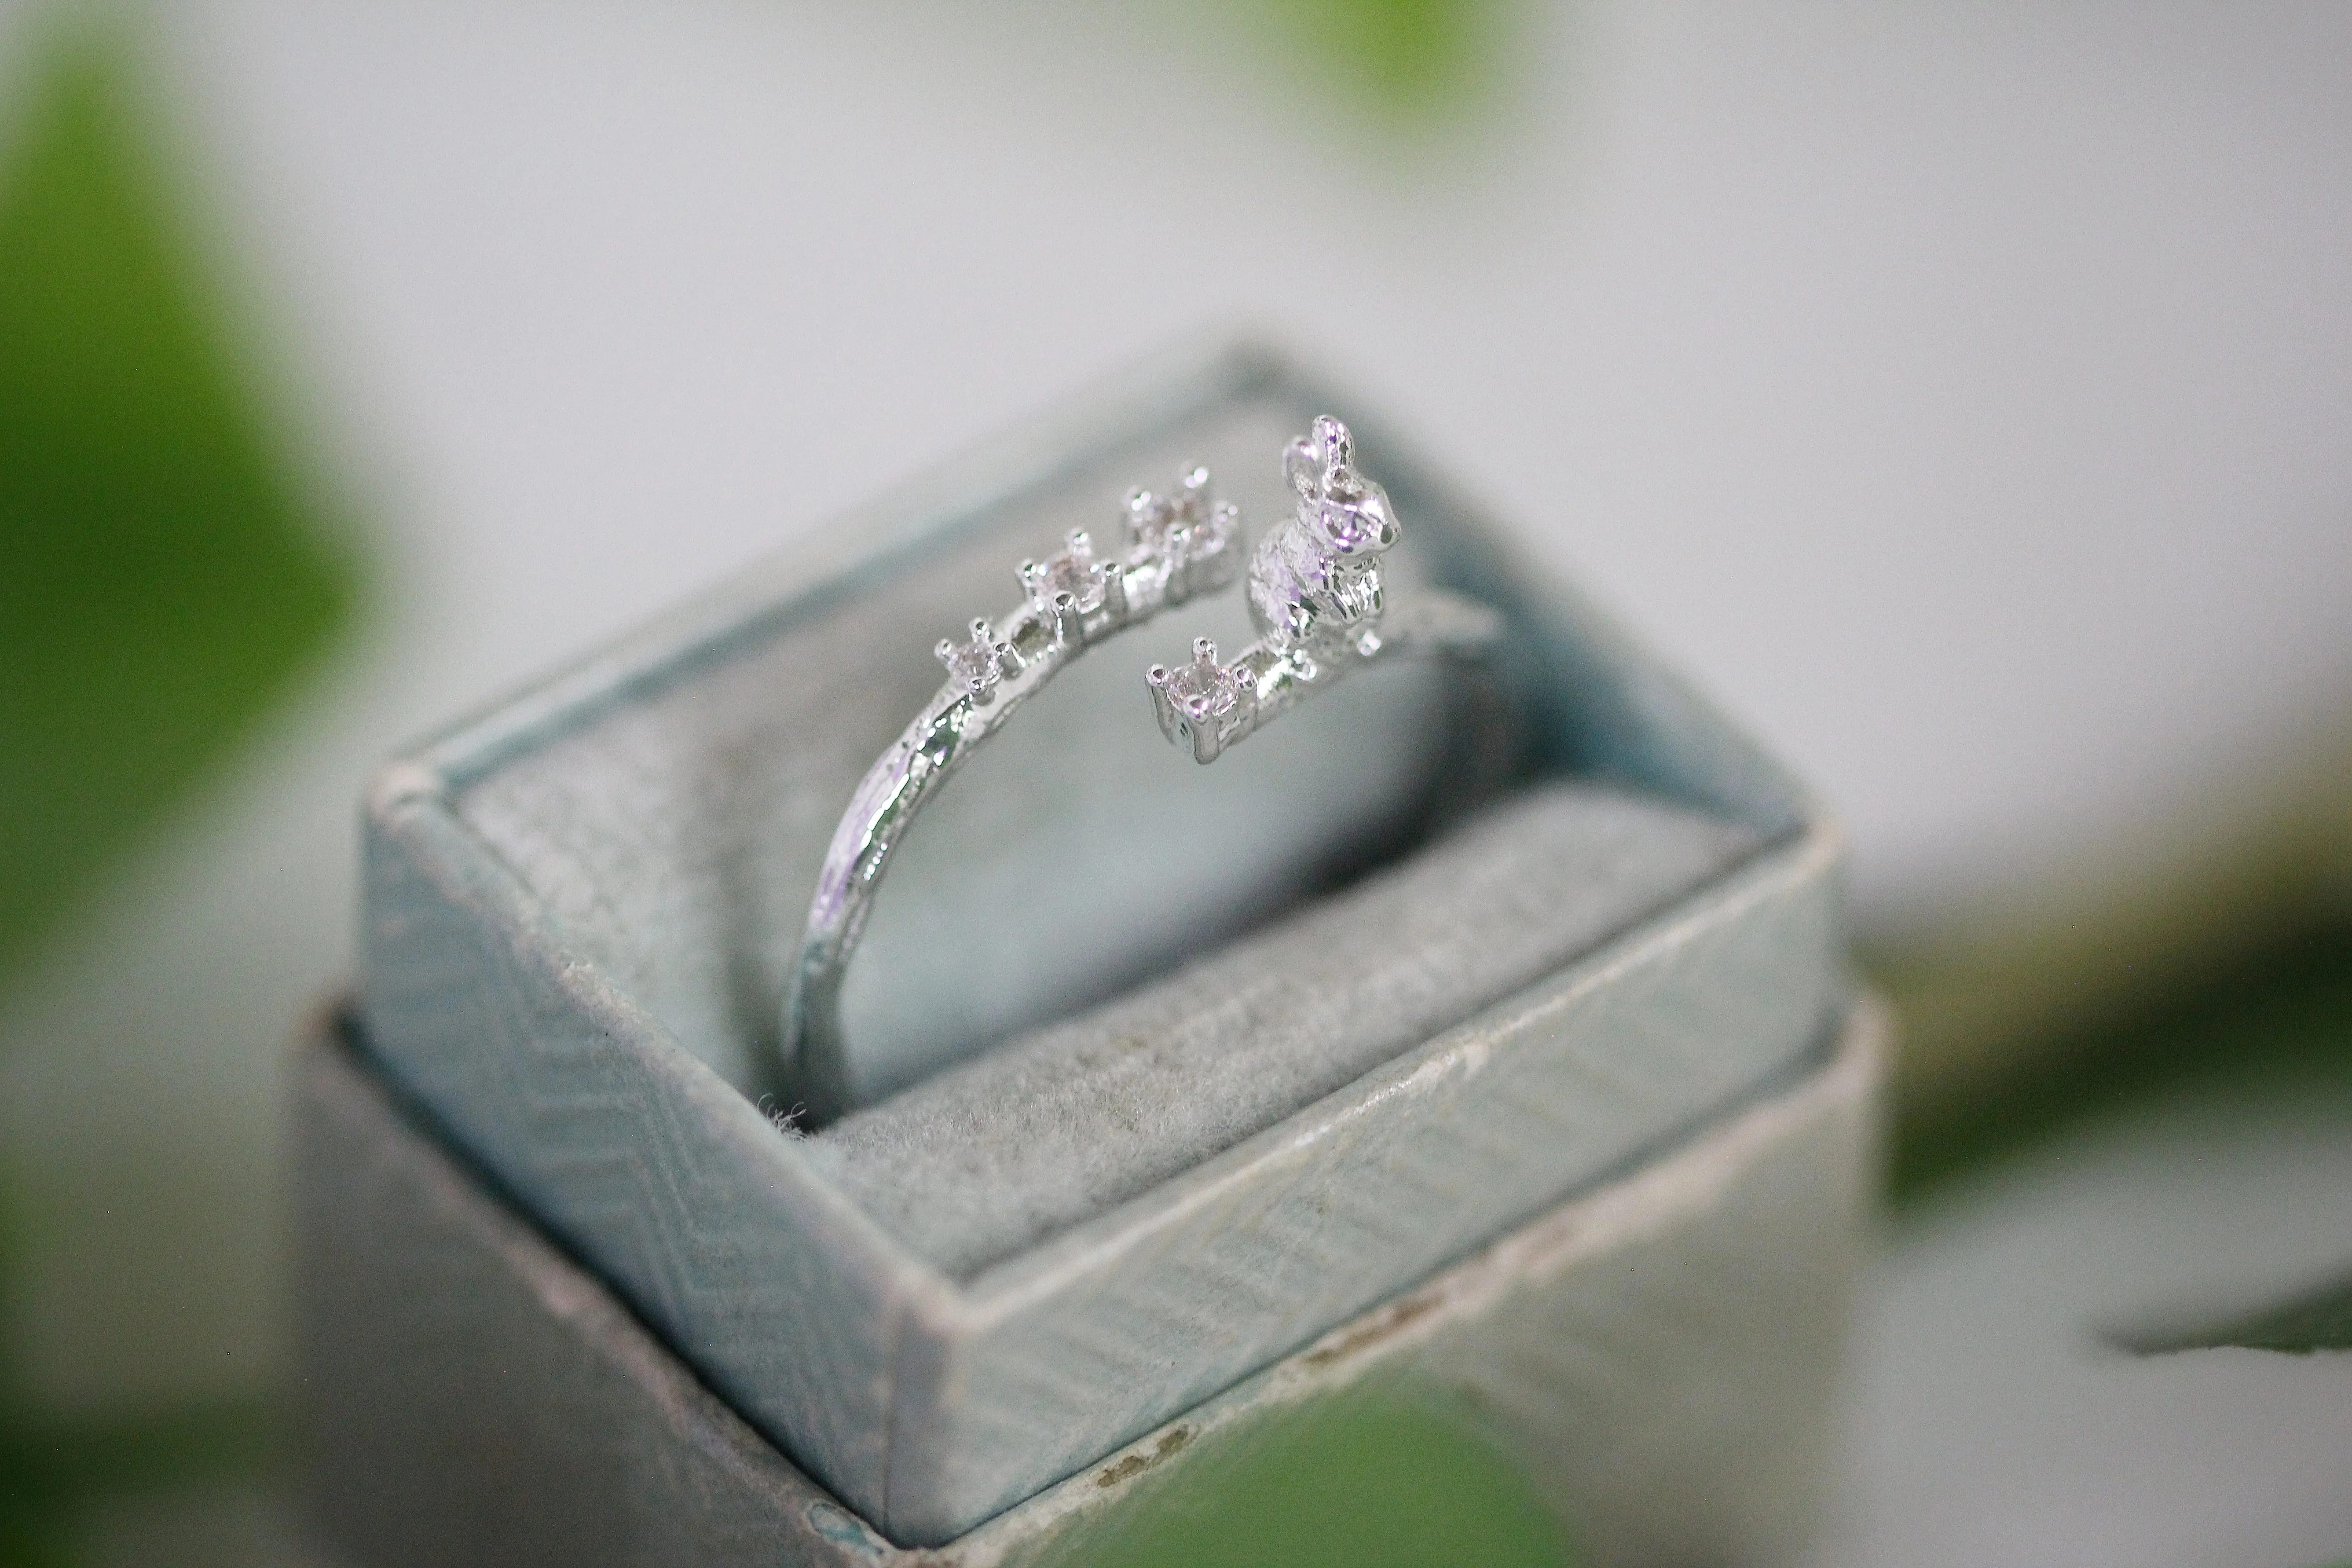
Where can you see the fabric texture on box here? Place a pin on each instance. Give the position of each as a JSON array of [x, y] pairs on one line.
[[979, 1162], [1653, 1359]]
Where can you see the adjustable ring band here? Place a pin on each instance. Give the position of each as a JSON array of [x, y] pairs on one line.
[[1316, 595], [1178, 545]]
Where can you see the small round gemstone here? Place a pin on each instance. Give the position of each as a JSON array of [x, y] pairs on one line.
[[1160, 525], [975, 666], [1149, 518], [1189, 504], [1211, 535], [1202, 691], [1083, 581]]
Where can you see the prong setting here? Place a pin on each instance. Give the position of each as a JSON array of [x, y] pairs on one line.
[[1073, 589], [1317, 598], [1187, 539], [1199, 703], [977, 666], [1177, 543]]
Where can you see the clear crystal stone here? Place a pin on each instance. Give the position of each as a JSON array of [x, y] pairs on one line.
[[1188, 504], [1074, 573], [1082, 580], [1212, 533], [976, 665], [1201, 691], [1157, 524], [1149, 518]]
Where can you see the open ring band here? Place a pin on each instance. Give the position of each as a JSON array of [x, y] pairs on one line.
[[1315, 597]]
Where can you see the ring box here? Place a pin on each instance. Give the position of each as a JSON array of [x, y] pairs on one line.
[[1645, 1373], [579, 910]]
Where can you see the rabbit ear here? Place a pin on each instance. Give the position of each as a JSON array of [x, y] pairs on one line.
[[1302, 465], [1337, 448]]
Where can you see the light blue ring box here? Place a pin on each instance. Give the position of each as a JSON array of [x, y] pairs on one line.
[[579, 908]]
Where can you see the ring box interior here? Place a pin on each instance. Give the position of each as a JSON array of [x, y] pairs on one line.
[[1163, 1070]]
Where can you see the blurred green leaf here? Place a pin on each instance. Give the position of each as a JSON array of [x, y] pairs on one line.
[[2216, 903], [1388, 1484], [50, 1469], [161, 586], [159, 580], [2315, 1320], [2282, 1010], [1397, 63]]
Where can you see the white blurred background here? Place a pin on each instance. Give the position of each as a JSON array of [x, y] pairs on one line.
[[1961, 390]]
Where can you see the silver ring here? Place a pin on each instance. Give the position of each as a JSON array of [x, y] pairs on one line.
[[1315, 597]]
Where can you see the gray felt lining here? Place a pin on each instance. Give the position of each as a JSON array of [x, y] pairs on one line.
[[1046, 1130]]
